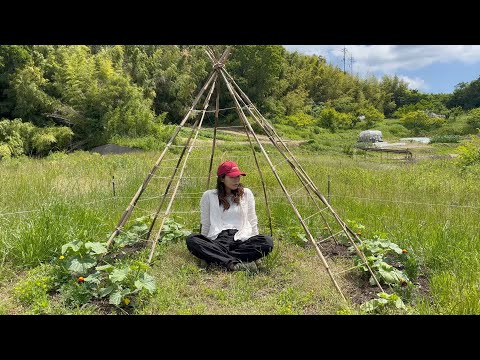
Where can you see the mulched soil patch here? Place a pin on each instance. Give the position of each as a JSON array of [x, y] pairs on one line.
[[357, 286]]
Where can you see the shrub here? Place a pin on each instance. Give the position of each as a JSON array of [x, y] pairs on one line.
[[43, 143], [5, 152], [331, 119], [397, 130], [82, 274], [445, 139], [371, 114], [376, 251], [473, 119], [419, 122], [299, 120], [384, 304], [469, 152]]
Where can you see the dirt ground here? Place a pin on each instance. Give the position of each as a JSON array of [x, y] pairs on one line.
[[113, 149], [358, 288]]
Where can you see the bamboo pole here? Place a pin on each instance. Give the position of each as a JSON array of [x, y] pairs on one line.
[[225, 55], [176, 168], [312, 240], [302, 173], [165, 193], [210, 54], [142, 187], [217, 109], [268, 127], [270, 136], [169, 206], [261, 179], [217, 106], [220, 62]]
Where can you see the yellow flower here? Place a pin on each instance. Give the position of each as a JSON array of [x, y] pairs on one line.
[[359, 233], [126, 301], [62, 257]]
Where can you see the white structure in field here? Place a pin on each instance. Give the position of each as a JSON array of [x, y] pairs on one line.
[[370, 136]]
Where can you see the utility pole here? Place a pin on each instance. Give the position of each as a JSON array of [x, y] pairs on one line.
[[351, 63], [344, 50]]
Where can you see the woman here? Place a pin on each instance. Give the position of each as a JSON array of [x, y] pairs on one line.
[[229, 233]]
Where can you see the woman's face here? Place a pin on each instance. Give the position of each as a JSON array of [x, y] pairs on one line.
[[231, 183]]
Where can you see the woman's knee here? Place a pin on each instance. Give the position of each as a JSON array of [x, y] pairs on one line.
[[268, 244], [268, 240], [191, 240]]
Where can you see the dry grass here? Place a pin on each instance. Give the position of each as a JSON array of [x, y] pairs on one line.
[[8, 280], [295, 282]]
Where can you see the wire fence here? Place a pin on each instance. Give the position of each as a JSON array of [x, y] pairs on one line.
[[198, 195]]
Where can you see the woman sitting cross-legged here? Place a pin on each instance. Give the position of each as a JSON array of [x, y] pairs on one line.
[[229, 234]]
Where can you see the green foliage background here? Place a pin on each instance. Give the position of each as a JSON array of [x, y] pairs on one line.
[[106, 92]]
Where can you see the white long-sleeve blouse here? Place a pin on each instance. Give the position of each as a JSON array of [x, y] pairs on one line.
[[211, 216]]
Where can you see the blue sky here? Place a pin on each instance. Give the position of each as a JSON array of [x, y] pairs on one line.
[[427, 68]]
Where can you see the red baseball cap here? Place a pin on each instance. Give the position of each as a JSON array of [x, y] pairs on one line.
[[229, 168]]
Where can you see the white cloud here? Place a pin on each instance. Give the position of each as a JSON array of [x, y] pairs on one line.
[[414, 83], [391, 58]]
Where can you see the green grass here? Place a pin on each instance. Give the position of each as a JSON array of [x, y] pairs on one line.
[[285, 287], [426, 205]]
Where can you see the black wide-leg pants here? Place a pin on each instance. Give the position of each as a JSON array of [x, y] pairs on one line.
[[224, 250]]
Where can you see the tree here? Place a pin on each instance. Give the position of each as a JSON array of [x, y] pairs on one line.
[[31, 101], [297, 101], [466, 95], [257, 69], [12, 58], [177, 74], [396, 91]]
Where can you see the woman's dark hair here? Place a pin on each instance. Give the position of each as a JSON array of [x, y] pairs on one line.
[[222, 194]]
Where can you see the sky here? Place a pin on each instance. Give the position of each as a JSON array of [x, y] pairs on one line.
[[427, 68]]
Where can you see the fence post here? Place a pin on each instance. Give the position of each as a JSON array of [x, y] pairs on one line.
[[328, 192]]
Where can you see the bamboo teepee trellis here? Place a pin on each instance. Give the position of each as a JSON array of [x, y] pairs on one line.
[[337, 227]]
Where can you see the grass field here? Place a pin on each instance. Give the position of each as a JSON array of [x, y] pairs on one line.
[[427, 205]]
